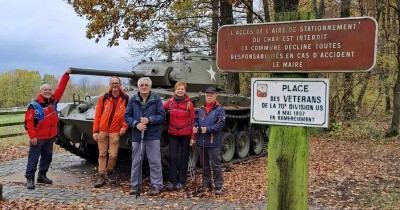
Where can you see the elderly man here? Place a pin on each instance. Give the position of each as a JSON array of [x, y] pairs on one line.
[[145, 115], [41, 125], [209, 122], [108, 126]]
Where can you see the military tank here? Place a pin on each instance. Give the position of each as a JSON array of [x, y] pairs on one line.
[[240, 138]]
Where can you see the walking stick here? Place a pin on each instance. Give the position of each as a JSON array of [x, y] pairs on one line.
[[195, 163], [140, 166], [203, 165]]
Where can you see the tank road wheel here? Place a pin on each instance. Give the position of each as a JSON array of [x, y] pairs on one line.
[[242, 144], [257, 142], [228, 147]]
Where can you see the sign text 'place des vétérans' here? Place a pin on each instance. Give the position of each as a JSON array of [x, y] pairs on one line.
[[290, 101]]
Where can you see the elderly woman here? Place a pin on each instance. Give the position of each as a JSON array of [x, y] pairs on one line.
[[181, 121]]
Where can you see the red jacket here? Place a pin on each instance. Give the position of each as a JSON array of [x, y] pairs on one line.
[[46, 128], [103, 113], [181, 116]]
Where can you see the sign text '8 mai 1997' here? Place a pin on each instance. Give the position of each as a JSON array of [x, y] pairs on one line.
[[331, 45]]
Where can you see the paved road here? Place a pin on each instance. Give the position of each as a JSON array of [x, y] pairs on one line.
[[67, 171]]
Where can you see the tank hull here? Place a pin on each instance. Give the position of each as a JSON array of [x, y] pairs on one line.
[[240, 138]]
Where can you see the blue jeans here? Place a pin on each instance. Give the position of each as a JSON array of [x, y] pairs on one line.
[[211, 155], [44, 150]]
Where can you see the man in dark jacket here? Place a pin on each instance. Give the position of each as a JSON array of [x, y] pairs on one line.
[[145, 115], [41, 126], [209, 122]]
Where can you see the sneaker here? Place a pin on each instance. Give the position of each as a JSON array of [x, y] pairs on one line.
[[170, 187], [154, 191], [43, 179], [179, 186], [133, 190], [101, 181], [218, 191]]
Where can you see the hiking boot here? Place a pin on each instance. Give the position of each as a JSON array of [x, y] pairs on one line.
[[133, 190], [43, 179], [179, 186], [218, 191], [30, 183], [101, 181], [170, 187], [204, 189], [154, 191], [110, 177]]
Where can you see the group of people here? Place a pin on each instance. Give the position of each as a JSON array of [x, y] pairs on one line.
[[143, 114]]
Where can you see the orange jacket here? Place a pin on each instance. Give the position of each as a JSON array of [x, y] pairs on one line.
[[103, 112]]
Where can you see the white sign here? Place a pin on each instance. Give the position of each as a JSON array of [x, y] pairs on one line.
[[290, 101]]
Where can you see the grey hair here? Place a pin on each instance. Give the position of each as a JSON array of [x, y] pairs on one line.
[[42, 86], [119, 80], [142, 79]]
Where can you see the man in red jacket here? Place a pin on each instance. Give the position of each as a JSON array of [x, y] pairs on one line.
[[108, 126], [41, 125]]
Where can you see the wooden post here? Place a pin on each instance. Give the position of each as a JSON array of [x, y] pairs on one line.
[[288, 164], [288, 167]]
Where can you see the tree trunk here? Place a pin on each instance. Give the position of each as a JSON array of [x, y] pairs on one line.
[[319, 11], [249, 13], [396, 104], [348, 95], [363, 90], [387, 90], [266, 11], [232, 79], [214, 27], [396, 90]]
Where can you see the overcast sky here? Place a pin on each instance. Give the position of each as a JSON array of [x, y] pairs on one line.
[[48, 36]]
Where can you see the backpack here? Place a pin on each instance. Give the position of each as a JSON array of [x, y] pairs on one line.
[[39, 112], [123, 96]]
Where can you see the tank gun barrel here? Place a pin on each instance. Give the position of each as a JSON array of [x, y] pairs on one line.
[[98, 72]]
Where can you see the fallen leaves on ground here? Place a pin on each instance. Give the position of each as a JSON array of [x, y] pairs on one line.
[[342, 175], [21, 151]]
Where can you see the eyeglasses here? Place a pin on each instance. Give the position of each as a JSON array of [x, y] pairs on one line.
[[144, 85], [115, 83]]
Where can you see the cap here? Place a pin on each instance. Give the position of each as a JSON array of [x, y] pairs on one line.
[[211, 90]]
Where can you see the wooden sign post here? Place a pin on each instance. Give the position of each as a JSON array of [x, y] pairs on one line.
[[295, 47]]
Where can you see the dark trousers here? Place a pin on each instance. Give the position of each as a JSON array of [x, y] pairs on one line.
[[178, 158], [44, 150], [211, 155]]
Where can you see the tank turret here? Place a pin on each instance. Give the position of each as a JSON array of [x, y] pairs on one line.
[[199, 72]]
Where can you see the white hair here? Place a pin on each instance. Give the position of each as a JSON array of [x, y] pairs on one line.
[[42, 86], [142, 79]]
